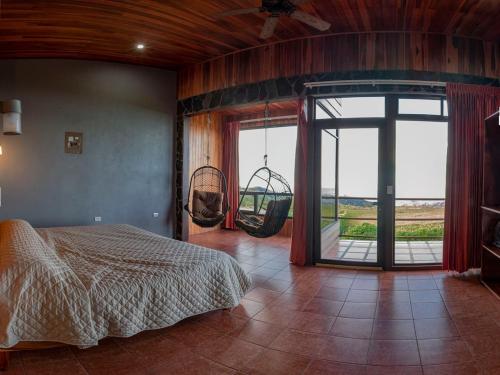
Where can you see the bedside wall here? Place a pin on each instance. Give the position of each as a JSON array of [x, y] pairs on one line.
[[125, 173]]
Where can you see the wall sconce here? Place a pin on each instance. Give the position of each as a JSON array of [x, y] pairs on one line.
[[11, 114]]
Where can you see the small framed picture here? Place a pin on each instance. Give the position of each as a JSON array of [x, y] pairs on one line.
[[73, 142]]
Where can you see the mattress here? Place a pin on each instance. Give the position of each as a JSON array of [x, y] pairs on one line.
[[77, 285]]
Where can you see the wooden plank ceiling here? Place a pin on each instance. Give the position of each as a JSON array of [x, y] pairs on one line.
[[177, 33]]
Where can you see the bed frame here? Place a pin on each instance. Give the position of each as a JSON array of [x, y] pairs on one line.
[[22, 346]]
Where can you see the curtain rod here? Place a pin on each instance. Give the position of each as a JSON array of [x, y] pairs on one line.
[[269, 119], [374, 82]]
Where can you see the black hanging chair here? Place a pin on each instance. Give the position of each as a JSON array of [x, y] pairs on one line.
[[207, 198], [273, 204], [271, 196]]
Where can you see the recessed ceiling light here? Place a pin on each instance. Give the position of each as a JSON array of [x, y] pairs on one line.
[[139, 46]]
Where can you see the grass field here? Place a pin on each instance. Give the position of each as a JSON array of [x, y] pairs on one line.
[[357, 222]]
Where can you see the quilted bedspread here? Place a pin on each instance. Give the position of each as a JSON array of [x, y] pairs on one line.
[[77, 285]]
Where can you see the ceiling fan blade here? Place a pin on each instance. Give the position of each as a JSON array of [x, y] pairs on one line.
[[236, 12], [310, 20], [269, 26], [298, 2]]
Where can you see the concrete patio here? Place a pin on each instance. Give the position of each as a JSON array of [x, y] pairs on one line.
[[407, 252]]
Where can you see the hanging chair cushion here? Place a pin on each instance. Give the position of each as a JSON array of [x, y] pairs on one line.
[[271, 223], [276, 214], [207, 207], [250, 223]]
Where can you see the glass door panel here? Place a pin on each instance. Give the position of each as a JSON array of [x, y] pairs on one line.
[[421, 148], [349, 198], [329, 223]]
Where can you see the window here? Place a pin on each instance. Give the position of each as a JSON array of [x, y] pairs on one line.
[[281, 143], [421, 107], [350, 107], [421, 148], [356, 169], [321, 113]]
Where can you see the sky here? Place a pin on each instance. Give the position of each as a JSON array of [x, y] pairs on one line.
[[420, 152], [281, 152]]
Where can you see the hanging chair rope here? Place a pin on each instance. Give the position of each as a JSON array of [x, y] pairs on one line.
[[209, 123], [266, 118]]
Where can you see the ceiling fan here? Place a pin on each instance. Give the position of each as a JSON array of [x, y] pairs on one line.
[[277, 8]]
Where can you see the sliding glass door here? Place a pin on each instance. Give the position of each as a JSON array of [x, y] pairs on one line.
[[421, 149], [349, 179], [349, 198], [380, 171]]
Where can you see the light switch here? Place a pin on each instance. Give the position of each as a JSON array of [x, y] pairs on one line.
[[390, 189], [156, 214], [97, 219]]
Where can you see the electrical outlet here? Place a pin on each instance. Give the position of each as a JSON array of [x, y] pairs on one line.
[[97, 219], [156, 214]]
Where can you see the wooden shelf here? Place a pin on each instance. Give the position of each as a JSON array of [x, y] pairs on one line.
[[492, 209], [492, 249], [493, 116], [493, 286]]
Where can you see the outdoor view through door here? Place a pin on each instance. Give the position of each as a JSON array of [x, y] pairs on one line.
[[349, 178], [374, 186], [349, 219], [420, 184]]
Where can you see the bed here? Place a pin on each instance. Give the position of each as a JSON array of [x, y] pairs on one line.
[[77, 285]]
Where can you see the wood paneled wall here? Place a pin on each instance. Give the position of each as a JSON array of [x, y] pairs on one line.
[[198, 150], [343, 52], [256, 111]]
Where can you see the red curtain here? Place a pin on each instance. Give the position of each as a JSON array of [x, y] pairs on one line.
[[230, 168], [298, 253], [468, 106]]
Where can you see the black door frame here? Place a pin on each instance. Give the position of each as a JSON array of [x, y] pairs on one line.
[[348, 123], [386, 168]]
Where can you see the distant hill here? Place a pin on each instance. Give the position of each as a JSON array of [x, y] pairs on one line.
[[419, 204], [350, 201], [257, 189], [356, 202]]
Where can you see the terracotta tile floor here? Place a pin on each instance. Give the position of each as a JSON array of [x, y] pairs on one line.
[[308, 321]]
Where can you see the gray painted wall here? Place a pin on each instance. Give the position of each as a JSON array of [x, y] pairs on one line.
[[126, 114]]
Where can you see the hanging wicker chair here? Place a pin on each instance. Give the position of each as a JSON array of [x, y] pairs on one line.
[[207, 200], [271, 207]]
